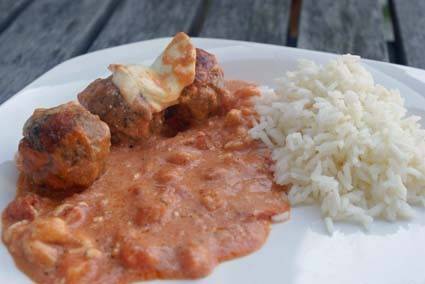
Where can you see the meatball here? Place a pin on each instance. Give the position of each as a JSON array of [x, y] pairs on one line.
[[207, 94], [127, 123], [64, 147]]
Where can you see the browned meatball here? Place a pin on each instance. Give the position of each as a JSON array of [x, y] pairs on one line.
[[103, 98], [207, 94], [64, 147]]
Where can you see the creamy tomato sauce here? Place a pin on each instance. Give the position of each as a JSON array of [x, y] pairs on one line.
[[168, 208]]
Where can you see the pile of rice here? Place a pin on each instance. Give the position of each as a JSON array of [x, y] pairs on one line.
[[343, 142]]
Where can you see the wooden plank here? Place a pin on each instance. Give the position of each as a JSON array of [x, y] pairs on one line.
[[251, 20], [135, 20], [344, 26], [410, 24], [46, 33], [9, 9]]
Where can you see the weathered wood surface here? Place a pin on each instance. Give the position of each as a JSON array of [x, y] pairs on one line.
[[9, 10], [135, 20], [46, 33], [251, 20], [343, 26], [410, 21]]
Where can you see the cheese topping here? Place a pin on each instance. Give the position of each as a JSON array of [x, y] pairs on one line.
[[162, 83]]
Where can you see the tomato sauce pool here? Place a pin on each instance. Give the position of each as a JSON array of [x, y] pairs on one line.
[[169, 208]]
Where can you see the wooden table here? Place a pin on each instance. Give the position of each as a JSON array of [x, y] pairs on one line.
[[35, 35]]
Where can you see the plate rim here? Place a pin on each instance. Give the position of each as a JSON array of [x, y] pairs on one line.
[[385, 67]]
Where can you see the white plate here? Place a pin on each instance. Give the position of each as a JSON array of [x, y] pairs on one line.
[[298, 251]]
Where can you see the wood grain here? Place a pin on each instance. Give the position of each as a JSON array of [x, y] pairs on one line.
[[344, 26], [135, 20], [251, 20], [46, 33], [9, 9], [410, 21]]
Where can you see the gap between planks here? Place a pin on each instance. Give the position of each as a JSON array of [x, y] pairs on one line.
[[294, 20]]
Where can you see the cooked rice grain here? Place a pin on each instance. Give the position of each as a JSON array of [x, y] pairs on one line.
[[343, 142]]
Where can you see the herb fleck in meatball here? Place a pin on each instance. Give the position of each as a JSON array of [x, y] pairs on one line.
[[64, 147]]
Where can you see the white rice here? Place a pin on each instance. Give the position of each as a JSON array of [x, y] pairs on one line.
[[343, 142]]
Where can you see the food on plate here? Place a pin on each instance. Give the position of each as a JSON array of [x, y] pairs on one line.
[[132, 100], [136, 119], [344, 142], [206, 95], [126, 122], [64, 148], [191, 190]]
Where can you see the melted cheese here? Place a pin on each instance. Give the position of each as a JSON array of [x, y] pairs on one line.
[[162, 83]]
